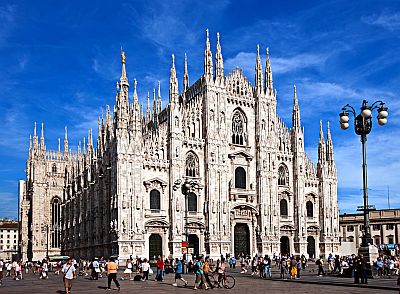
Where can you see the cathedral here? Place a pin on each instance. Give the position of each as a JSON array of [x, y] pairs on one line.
[[215, 171]]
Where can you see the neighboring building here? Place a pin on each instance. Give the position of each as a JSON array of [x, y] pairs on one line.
[[8, 239], [385, 228], [258, 190]]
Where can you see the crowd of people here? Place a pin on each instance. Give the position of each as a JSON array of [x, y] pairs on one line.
[[207, 272]]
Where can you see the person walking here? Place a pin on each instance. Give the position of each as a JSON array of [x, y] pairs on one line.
[[160, 269], [145, 269], [95, 269], [198, 270], [178, 273], [207, 272], [69, 273], [1, 272], [320, 264], [112, 269]]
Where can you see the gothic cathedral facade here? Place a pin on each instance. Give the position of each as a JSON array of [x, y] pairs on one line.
[[251, 186]]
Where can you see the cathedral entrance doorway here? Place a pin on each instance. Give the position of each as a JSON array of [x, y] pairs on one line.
[[285, 245], [193, 242], [241, 239], [155, 246], [311, 247]]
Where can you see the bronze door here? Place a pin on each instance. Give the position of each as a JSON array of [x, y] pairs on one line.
[[242, 239], [155, 246]]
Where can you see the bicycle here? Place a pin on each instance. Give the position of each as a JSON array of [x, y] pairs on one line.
[[227, 281]]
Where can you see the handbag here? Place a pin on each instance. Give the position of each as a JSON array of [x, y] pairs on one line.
[[97, 270]]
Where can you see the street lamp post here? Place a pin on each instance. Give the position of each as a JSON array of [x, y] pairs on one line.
[[362, 127]]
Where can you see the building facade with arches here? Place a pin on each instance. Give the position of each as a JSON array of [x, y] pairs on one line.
[[256, 189]]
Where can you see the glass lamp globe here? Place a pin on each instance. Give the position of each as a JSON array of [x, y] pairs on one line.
[[382, 121], [344, 126], [366, 112], [344, 119], [383, 114]]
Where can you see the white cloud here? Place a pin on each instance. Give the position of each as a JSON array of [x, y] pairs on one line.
[[247, 60], [386, 19]]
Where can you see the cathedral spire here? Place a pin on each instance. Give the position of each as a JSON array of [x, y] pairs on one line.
[[66, 140], [42, 146], [99, 136], [148, 108], [90, 142], [124, 78], [30, 142], [173, 83], [185, 76], [159, 101], [268, 74], [329, 146], [219, 62], [35, 138], [154, 115], [258, 72], [296, 110], [208, 63], [321, 145], [135, 95], [59, 145]]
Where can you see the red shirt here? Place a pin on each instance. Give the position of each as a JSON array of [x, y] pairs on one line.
[[160, 264]]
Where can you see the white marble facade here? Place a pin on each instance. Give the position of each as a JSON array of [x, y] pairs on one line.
[[257, 190]]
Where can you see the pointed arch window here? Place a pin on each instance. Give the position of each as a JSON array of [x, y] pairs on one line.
[[310, 209], [192, 165], [192, 202], [284, 208], [155, 199], [238, 128], [283, 175], [240, 178], [55, 222], [54, 168]]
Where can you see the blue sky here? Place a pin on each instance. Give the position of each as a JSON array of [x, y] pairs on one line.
[[60, 61]]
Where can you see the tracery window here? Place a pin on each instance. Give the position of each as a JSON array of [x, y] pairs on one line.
[[283, 207], [192, 165], [155, 199], [238, 128], [240, 178], [55, 222], [54, 168], [192, 202], [283, 176], [310, 209]]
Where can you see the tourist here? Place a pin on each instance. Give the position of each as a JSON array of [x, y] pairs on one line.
[[283, 267], [1, 272], [320, 264], [128, 270], [363, 269], [207, 272], [95, 269], [45, 270], [198, 270], [267, 267], [112, 269], [303, 262], [293, 268], [178, 273], [145, 269], [243, 264], [69, 273], [330, 262], [160, 269]]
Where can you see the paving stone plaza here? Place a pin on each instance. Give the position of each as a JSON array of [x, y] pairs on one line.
[[245, 283]]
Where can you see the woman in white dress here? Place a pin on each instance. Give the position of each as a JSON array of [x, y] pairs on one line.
[[128, 270]]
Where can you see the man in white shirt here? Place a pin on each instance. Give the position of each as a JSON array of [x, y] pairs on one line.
[[69, 273], [1, 272]]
